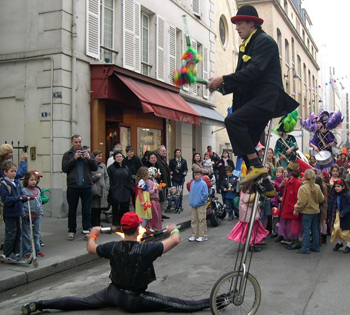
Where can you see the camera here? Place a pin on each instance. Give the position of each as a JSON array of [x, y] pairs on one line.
[[83, 152]]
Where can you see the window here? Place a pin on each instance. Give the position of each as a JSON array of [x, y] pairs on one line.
[[148, 140], [286, 48], [279, 42], [304, 73], [196, 7], [303, 36], [293, 51], [106, 28], [145, 45], [308, 44], [223, 30], [285, 6], [298, 65]]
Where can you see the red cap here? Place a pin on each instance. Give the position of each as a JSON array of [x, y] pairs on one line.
[[36, 173], [130, 220], [326, 174]]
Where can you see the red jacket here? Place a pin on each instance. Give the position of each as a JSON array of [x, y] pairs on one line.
[[206, 180], [290, 198]]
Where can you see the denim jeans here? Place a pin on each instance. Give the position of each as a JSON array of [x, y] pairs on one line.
[[310, 223], [73, 195], [229, 206], [26, 237], [13, 232]]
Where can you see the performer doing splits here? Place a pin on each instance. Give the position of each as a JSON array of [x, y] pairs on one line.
[[323, 139], [131, 272], [257, 88]]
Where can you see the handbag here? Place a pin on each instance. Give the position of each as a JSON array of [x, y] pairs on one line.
[[96, 191]]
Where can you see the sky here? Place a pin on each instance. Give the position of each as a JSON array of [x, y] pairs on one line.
[[330, 19]]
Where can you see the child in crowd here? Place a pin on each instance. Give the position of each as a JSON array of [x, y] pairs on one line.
[[143, 200], [36, 207], [12, 196], [156, 221], [229, 190], [323, 209], [197, 200], [309, 199], [275, 202], [339, 212], [290, 224], [334, 174], [207, 163], [240, 231]]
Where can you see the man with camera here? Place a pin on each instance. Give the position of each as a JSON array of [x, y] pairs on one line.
[[78, 165]]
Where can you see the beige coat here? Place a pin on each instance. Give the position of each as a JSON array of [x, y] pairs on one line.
[[309, 201]]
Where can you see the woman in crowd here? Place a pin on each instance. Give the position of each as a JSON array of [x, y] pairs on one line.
[[120, 188], [270, 158], [220, 166], [100, 190], [197, 163]]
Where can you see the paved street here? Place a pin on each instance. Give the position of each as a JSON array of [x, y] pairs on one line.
[[291, 284]]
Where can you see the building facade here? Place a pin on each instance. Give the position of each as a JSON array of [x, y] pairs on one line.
[[103, 69]]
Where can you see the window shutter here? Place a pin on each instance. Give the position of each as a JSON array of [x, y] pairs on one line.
[[129, 34], [172, 53], [160, 48], [93, 28], [194, 87], [205, 71], [184, 47], [137, 16], [195, 7]]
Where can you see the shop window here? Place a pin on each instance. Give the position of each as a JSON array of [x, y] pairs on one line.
[[148, 140]]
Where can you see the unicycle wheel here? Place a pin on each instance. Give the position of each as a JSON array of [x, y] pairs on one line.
[[225, 298]]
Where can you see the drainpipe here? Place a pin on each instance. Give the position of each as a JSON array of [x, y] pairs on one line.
[[51, 102], [74, 64]]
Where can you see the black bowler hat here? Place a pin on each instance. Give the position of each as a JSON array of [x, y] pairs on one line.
[[247, 13]]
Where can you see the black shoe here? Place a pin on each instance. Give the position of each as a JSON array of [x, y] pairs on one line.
[[292, 247], [337, 246], [41, 244], [273, 235], [324, 238], [299, 251], [254, 249], [30, 308], [346, 250], [165, 217], [279, 239]]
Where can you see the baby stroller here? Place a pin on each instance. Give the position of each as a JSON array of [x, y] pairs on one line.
[[174, 196]]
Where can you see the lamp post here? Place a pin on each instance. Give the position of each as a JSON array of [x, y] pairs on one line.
[[319, 101], [295, 76]]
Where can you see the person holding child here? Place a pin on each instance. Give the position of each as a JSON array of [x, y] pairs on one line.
[[13, 197], [36, 209], [197, 200], [339, 212], [229, 191], [143, 206], [310, 197], [240, 231]]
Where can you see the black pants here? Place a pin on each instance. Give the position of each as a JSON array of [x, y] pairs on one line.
[[118, 210], [73, 195], [245, 126], [96, 216], [112, 297]]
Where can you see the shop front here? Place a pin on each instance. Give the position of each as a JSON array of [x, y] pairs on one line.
[[132, 109]]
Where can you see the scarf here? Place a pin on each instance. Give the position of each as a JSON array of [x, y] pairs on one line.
[[178, 162], [225, 161]]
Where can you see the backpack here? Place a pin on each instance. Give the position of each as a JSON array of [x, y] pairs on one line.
[[3, 182]]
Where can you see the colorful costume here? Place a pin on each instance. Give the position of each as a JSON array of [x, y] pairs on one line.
[[323, 137], [145, 211]]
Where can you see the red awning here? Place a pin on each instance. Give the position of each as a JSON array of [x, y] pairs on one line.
[[161, 102]]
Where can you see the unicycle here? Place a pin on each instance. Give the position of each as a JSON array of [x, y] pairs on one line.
[[238, 291]]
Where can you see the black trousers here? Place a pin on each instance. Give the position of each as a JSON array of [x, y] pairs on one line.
[[118, 210], [133, 303], [96, 216], [245, 127], [73, 195]]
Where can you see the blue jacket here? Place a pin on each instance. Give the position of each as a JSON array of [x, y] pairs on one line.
[[13, 206], [198, 193], [229, 183], [344, 210]]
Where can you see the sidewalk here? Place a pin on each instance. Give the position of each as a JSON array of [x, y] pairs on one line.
[[61, 255]]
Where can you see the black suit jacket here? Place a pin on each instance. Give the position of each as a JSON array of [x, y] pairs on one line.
[[259, 81]]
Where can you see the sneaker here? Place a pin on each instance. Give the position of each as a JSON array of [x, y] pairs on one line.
[[346, 250], [30, 308], [279, 239], [13, 257], [41, 243], [71, 236], [86, 237], [270, 191], [85, 232], [254, 173], [201, 239], [40, 254], [27, 256], [254, 249], [192, 239], [230, 218]]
